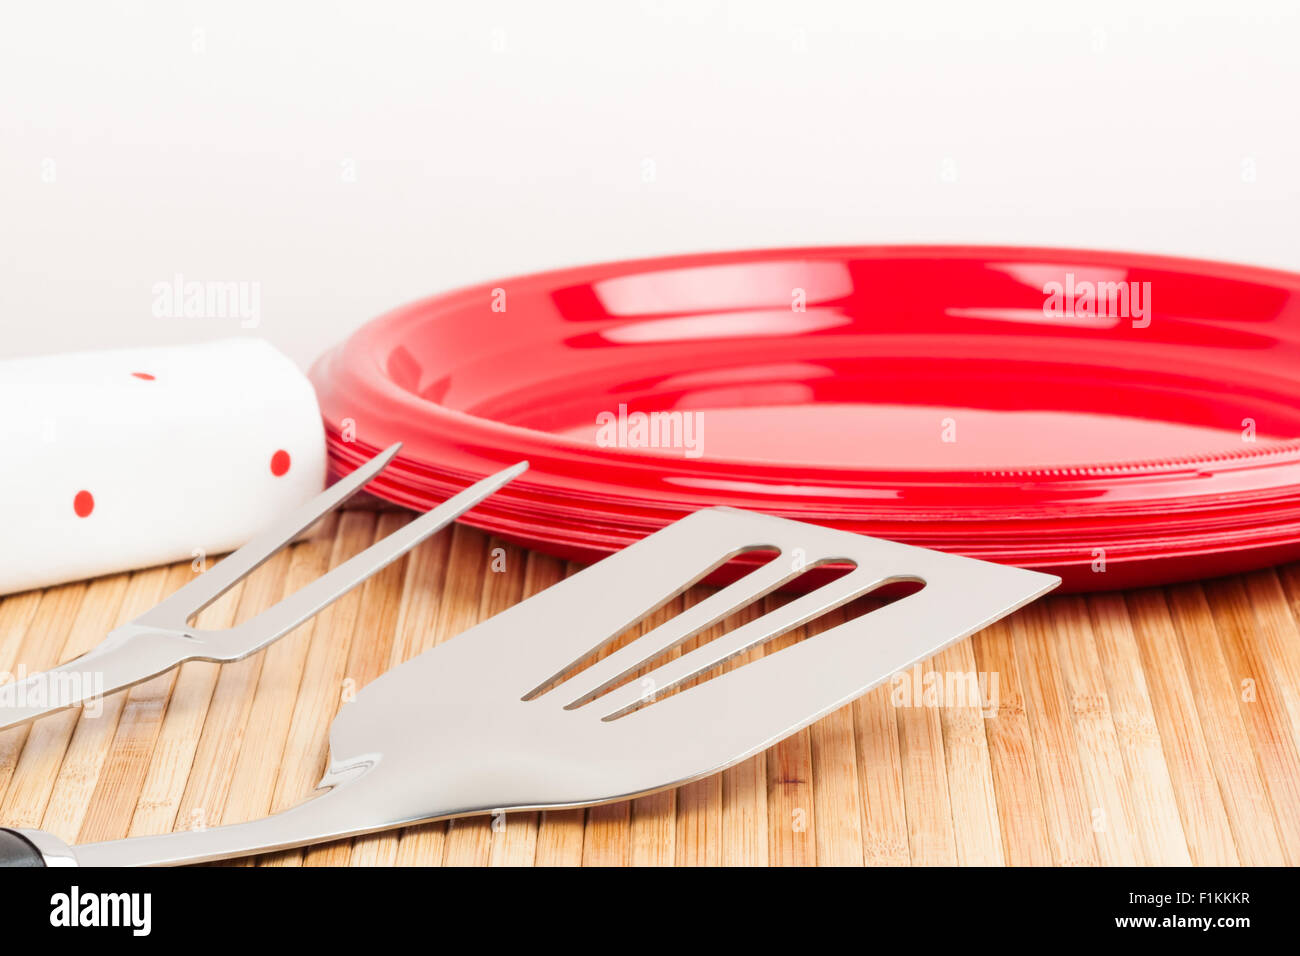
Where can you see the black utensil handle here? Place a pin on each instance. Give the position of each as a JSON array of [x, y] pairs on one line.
[[17, 850]]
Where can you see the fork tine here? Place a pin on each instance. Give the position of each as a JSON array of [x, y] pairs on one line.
[[281, 618], [176, 610]]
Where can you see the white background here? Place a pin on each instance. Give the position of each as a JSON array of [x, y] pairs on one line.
[[215, 140]]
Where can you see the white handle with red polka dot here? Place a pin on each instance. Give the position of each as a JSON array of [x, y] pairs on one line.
[[123, 459]]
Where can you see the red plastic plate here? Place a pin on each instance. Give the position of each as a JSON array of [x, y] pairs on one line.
[[1049, 408]]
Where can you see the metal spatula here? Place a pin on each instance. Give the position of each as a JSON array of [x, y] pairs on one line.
[[498, 718]]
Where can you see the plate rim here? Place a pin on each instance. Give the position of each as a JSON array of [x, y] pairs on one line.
[[521, 441]]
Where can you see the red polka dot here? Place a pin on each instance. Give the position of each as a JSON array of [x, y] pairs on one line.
[[279, 463], [144, 375], [83, 504]]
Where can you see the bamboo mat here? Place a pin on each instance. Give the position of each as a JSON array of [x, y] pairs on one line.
[[1149, 727]]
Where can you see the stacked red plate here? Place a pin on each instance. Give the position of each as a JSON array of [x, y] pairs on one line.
[[1116, 419]]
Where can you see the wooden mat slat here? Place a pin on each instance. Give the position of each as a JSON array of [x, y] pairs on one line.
[[1160, 726], [1156, 816], [1232, 755], [1022, 817]]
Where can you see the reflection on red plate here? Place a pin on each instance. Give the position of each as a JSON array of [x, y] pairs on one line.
[[1027, 405]]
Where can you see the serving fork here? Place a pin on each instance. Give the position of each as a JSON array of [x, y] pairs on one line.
[[162, 638]]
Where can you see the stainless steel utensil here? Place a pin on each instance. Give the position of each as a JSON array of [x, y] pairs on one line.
[[161, 638], [498, 719]]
